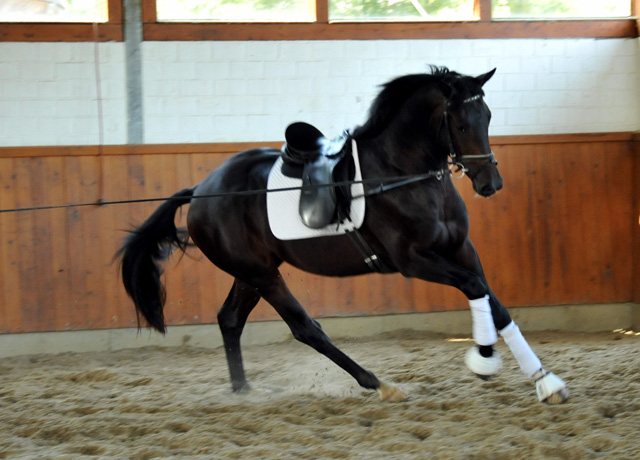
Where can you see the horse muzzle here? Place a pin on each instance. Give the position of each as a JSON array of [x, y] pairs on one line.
[[487, 185]]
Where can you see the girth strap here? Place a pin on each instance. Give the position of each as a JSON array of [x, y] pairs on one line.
[[370, 258]]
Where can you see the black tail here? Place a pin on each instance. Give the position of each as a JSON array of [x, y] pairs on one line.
[[142, 252]]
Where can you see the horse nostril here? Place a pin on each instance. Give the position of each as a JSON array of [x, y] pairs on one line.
[[487, 190]]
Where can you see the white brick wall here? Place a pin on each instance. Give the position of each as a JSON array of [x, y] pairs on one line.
[[542, 86], [250, 91], [48, 93]]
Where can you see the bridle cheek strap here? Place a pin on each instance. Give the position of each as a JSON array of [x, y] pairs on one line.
[[456, 162]]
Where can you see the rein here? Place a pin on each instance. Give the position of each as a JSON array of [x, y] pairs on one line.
[[396, 181], [400, 182]]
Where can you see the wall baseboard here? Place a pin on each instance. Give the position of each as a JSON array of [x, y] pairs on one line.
[[574, 318]]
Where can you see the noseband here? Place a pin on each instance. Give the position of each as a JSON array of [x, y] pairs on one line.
[[459, 162]]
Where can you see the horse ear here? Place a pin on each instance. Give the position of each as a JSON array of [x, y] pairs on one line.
[[482, 79]]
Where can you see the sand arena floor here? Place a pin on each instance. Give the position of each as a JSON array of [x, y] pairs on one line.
[[176, 403]]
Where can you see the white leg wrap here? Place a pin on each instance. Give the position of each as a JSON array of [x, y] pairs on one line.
[[527, 359], [550, 387], [484, 331], [481, 366]]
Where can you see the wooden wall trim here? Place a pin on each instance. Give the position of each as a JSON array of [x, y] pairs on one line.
[[149, 12], [60, 32], [115, 11], [143, 149], [483, 10], [612, 28], [231, 147]]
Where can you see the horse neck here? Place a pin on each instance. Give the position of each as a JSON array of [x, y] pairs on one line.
[[396, 153], [409, 142]]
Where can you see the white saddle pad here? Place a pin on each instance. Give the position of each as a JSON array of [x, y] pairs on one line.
[[282, 207]]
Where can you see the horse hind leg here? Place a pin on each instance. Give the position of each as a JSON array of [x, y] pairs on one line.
[[308, 331], [232, 318]]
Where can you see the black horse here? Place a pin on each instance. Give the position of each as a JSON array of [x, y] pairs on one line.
[[427, 126]]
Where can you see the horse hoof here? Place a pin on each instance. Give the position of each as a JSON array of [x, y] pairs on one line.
[[485, 368], [550, 388], [242, 389], [389, 393], [558, 397]]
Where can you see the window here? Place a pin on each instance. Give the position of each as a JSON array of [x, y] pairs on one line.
[[559, 9], [75, 20], [53, 11], [236, 10], [61, 20], [386, 19], [305, 10], [382, 10], [401, 10]]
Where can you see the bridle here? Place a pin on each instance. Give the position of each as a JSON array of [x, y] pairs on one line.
[[459, 162]]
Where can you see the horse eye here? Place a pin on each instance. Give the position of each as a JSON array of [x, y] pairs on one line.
[[462, 129]]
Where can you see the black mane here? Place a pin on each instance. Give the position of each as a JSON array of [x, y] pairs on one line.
[[397, 91]]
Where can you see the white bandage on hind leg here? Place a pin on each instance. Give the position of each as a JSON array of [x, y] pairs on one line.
[[527, 359], [484, 331]]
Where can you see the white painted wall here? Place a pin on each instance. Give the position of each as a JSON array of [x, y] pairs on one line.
[[250, 91], [48, 93]]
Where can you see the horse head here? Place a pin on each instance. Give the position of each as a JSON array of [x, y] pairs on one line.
[[465, 118], [420, 121]]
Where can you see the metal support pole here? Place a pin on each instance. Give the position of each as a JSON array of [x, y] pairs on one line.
[[133, 59]]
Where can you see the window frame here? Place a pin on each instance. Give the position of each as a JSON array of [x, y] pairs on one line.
[[67, 31], [322, 29]]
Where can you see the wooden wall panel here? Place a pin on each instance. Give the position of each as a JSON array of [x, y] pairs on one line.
[[562, 231], [567, 232], [635, 224], [10, 312]]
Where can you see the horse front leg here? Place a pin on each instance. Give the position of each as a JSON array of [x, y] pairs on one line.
[[488, 313], [549, 387], [464, 271]]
